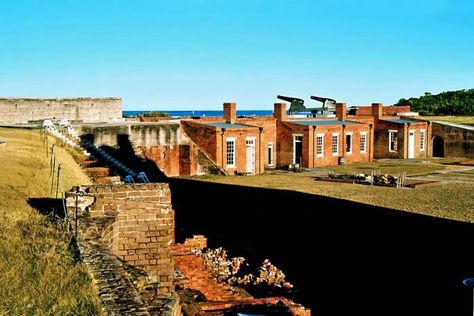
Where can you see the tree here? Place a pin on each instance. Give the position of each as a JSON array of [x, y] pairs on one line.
[[459, 102]]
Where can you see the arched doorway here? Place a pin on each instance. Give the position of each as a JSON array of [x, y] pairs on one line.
[[438, 146]]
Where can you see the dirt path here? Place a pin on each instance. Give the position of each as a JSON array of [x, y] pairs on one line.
[[464, 174]]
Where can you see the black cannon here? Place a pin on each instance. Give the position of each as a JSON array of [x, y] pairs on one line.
[[296, 104], [329, 105]]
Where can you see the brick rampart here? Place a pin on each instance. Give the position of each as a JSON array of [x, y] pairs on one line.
[[137, 223]]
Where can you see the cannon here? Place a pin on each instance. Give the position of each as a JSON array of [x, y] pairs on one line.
[[296, 104], [329, 105]]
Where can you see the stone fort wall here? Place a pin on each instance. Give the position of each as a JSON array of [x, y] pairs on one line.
[[87, 110]]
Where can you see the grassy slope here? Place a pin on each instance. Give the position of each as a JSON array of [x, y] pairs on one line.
[[38, 273], [467, 120], [454, 201]]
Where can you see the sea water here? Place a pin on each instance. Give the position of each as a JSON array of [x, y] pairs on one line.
[[203, 113]]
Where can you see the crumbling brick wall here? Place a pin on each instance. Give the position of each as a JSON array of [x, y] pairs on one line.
[[138, 225], [198, 277]]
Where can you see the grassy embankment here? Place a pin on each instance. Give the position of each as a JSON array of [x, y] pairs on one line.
[[453, 200], [38, 274], [466, 120]]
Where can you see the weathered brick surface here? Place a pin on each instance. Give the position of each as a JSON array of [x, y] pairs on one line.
[[198, 277], [138, 226], [212, 140], [220, 296], [174, 160], [90, 110], [458, 142], [124, 235], [386, 110], [381, 140], [287, 131], [143, 230]]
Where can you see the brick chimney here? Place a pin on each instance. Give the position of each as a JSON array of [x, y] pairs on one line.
[[341, 111], [377, 110], [230, 112], [279, 111]]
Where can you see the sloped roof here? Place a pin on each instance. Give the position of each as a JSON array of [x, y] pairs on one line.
[[403, 121]]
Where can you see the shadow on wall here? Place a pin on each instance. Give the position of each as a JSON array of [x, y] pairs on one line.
[[125, 153], [346, 258]]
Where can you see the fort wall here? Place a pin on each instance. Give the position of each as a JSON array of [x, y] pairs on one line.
[[87, 110]]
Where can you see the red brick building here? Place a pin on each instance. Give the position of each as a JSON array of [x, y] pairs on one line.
[[237, 145], [313, 142], [251, 145], [399, 137]]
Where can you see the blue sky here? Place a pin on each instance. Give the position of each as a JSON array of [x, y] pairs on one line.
[[197, 54]]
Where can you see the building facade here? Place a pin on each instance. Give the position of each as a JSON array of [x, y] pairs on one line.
[[251, 145]]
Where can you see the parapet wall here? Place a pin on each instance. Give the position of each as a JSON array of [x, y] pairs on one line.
[[458, 140], [165, 143], [143, 228], [126, 231], [88, 110]]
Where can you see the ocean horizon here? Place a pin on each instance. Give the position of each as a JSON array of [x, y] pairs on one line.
[[201, 113]]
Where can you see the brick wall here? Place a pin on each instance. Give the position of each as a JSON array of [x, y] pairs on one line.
[[386, 110], [204, 136], [381, 140], [211, 140], [240, 149], [90, 110], [166, 157], [458, 142], [179, 160], [287, 131], [356, 155], [268, 135], [138, 226], [138, 134]]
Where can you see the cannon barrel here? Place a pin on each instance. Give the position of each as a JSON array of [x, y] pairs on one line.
[[290, 99], [322, 99]]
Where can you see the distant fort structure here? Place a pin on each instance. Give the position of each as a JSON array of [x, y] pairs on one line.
[[85, 110]]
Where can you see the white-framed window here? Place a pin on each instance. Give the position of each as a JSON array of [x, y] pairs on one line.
[[335, 144], [270, 154], [320, 145], [349, 143], [392, 140], [363, 142], [422, 139], [230, 152]]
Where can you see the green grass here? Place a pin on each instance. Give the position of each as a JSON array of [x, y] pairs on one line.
[[392, 166], [453, 200], [39, 275], [467, 120]]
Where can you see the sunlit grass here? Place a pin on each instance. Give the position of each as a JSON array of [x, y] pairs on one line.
[[390, 166], [38, 274], [468, 120], [452, 200]]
